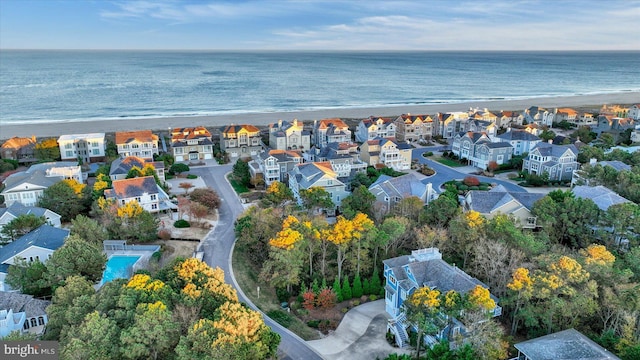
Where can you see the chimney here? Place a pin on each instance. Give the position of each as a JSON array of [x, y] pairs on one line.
[[280, 123], [550, 141]]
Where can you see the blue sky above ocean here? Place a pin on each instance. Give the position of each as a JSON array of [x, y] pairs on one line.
[[321, 25]]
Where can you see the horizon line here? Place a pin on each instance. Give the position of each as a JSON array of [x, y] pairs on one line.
[[316, 50]]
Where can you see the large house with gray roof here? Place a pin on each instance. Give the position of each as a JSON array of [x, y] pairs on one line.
[[387, 152], [275, 165], [330, 130], [557, 161], [38, 244], [285, 135], [498, 200], [191, 144], [17, 209], [26, 187], [22, 313], [479, 150], [600, 195], [375, 126], [343, 156], [391, 190], [521, 141], [425, 267], [566, 345], [317, 174]]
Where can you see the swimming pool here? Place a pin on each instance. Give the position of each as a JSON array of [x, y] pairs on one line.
[[119, 267]]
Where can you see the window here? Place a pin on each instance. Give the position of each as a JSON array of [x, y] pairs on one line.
[[153, 196], [135, 146], [138, 199], [26, 325], [34, 322], [392, 279], [68, 146], [569, 169], [389, 295], [154, 206], [95, 151], [40, 320], [68, 153]]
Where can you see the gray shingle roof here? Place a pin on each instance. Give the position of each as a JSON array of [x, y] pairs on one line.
[[23, 303], [518, 135], [600, 195], [547, 149], [45, 236], [122, 166], [486, 202], [401, 186], [566, 345], [16, 209], [616, 164]]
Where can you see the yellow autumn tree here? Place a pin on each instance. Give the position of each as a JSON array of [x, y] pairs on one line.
[[598, 255], [238, 324], [199, 277], [130, 210], [480, 297], [75, 185], [474, 219], [425, 297], [100, 185]]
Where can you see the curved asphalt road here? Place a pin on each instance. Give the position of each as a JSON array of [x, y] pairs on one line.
[[218, 248]]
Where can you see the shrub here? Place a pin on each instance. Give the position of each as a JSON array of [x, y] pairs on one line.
[[484, 187], [164, 234], [192, 176], [357, 287], [309, 300], [355, 303], [280, 317], [463, 187], [156, 256], [326, 299], [346, 289], [474, 187], [373, 298], [471, 181], [181, 224], [178, 168], [205, 196], [366, 287], [282, 294], [336, 289], [313, 323]]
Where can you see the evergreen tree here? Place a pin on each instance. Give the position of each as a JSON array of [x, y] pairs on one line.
[[357, 287], [346, 289], [323, 285], [375, 284], [366, 287], [314, 287], [337, 289]]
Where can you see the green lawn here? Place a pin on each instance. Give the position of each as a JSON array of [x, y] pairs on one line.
[[449, 162], [247, 278], [237, 186]]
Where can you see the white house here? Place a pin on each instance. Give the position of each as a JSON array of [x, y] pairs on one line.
[[22, 313], [373, 127], [26, 187], [276, 164], [144, 190], [88, 147], [634, 112], [39, 245], [16, 209], [143, 144]]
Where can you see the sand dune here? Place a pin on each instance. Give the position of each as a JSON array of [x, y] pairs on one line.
[[77, 127]]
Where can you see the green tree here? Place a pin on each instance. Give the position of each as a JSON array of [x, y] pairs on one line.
[[590, 152], [179, 168], [360, 200], [153, 335], [241, 172], [361, 179], [357, 287], [441, 211], [583, 133], [97, 338], [61, 317], [62, 199], [47, 150], [28, 277], [89, 230], [337, 289], [547, 134], [75, 258], [316, 198], [608, 141], [346, 289], [22, 225]]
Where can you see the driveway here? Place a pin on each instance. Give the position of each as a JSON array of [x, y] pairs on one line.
[[360, 335], [218, 248]]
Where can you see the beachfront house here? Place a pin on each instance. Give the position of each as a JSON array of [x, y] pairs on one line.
[[484, 126], [285, 135], [634, 112], [38, 244], [330, 130], [87, 148], [191, 144], [144, 190], [479, 150], [387, 152], [565, 114], [425, 267], [539, 116], [375, 126], [120, 167], [276, 164], [506, 118], [20, 149], [521, 141], [317, 174], [516, 205], [411, 128], [391, 190], [16, 209], [568, 344], [142, 143], [22, 313], [240, 141], [557, 161], [26, 187]]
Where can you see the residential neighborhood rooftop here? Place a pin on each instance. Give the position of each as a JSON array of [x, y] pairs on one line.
[[600, 195], [565, 345]]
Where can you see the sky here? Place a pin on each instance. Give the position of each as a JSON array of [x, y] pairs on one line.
[[321, 25]]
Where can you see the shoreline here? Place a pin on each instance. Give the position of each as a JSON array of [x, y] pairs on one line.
[[54, 129]]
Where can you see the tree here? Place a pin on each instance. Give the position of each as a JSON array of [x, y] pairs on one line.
[[346, 289], [422, 308], [357, 287], [547, 134], [179, 168], [134, 172], [608, 141], [47, 150], [29, 278], [410, 207], [337, 289], [198, 211], [277, 194], [64, 298], [285, 256], [96, 338], [22, 225], [360, 200], [588, 152], [89, 230], [316, 198], [465, 230], [441, 211], [326, 299], [63, 199], [207, 197], [241, 172], [583, 133], [153, 335], [75, 258], [186, 186], [387, 235]]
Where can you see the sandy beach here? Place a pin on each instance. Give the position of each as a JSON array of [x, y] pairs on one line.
[[77, 127]]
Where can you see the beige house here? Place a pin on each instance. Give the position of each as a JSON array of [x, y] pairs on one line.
[[285, 135], [240, 141], [414, 127], [143, 144], [498, 200], [20, 149], [191, 144], [387, 152], [330, 130]]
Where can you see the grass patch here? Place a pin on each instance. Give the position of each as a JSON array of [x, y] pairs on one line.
[[247, 278], [237, 186], [449, 162]]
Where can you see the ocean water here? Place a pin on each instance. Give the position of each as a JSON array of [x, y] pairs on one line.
[[46, 86]]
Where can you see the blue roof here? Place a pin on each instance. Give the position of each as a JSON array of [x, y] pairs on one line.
[[46, 236]]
